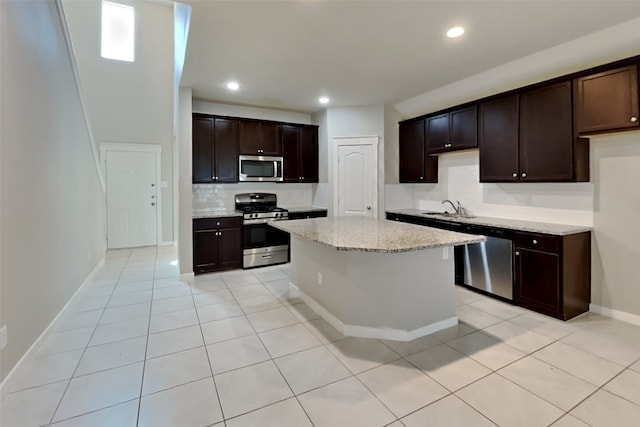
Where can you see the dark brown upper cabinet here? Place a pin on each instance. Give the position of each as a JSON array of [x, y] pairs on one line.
[[214, 149], [300, 153], [498, 140], [607, 101], [546, 134], [455, 130], [415, 165], [259, 138]]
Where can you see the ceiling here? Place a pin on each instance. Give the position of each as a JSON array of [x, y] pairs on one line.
[[285, 54]]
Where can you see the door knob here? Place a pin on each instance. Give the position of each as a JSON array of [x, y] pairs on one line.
[[517, 253], [634, 119], [535, 242], [368, 208], [153, 204], [524, 175], [515, 175], [153, 185], [153, 197]]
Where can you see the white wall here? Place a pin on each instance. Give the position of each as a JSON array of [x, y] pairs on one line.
[[615, 169], [185, 225], [321, 189], [131, 102], [52, 218], [206, 107], [391, 147]]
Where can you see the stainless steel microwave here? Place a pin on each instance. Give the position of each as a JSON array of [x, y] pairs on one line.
[[260, 168]]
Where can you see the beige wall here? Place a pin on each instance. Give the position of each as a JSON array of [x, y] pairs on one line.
[[131, 102], [52, 210]]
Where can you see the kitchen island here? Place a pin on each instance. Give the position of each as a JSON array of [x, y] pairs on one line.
[[375, 278]]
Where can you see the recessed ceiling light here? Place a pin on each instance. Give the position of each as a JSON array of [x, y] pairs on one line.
[[323, 100], [455, 32], [233, 86]]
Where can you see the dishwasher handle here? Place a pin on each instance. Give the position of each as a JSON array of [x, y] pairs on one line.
[[500, 233]]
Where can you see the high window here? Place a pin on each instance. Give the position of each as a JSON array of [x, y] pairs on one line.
[[118, 31]]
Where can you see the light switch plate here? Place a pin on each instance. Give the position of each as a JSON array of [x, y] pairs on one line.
[[3, 336]]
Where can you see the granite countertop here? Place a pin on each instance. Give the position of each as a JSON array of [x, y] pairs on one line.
[[373, 235], [216, 213], [305, 209], [511, 224]]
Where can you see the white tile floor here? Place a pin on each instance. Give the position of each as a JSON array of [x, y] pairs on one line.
[[137, 347]]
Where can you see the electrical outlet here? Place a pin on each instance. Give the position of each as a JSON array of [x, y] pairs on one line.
[[320, 279], [3, 336], [445, 253]]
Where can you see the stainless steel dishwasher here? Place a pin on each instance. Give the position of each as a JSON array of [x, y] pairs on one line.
[[488, 266]]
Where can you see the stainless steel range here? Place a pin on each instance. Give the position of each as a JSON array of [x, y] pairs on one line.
[[262, 244]]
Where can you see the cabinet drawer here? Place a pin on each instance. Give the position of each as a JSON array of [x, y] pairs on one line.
[[212, 223], [540, 242]]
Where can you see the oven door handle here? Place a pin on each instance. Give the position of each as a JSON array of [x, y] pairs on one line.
[[266, 256]]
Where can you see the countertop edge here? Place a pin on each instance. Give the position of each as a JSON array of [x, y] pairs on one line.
[[517, 225], [469, 238]]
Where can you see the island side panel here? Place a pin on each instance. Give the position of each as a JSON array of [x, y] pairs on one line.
[[397, 296]]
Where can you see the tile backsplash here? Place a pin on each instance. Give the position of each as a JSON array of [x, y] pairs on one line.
[[208, 197]]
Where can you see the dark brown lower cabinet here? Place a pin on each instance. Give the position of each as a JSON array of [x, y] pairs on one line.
[[217, 244], [553, 273]]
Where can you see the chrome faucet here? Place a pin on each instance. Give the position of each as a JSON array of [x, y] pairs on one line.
[[455, 209]]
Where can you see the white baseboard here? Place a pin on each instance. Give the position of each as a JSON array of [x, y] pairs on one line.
[[187, 277], [615, 314], [367, 331], [7, 380]]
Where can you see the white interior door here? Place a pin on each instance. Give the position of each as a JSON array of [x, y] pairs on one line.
[[131, 199], [357, 180]]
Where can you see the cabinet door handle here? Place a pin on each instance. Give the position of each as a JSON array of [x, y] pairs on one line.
[[422, 177], [515, 175], [517, 253], [634, 119], [535, 242], [524, 175]]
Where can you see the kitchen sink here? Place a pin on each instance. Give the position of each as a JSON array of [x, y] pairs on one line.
[[446, 214]]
